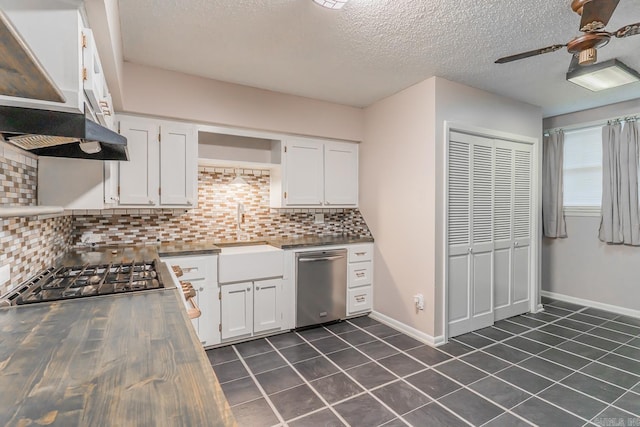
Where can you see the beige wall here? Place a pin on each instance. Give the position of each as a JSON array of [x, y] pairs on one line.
[[402, 187], [157, 92], [457, 103], [581, 266], [396, 199]]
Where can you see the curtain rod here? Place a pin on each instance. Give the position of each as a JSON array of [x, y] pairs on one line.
[[594, 123]]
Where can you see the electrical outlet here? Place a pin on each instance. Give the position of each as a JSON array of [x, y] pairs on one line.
[[5, 274], [319, 218]]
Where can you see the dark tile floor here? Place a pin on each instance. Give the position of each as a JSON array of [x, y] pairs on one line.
[[568, 366]]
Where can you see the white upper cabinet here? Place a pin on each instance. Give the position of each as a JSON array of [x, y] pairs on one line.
[[341, 174], [178, 165], [138, 178], [56, 34], [304, 169], [55, 37], [316, 173], [162, 169]]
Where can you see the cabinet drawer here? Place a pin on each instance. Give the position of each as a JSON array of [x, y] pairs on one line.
[[360, 274], [358, 253], [194, 268], [359, 299]]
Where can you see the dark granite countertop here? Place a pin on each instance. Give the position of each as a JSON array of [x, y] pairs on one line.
[[109, 254], [176, 248], [129, 359], [309, 241]]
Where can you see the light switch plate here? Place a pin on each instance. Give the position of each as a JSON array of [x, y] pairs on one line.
[[5, 274]]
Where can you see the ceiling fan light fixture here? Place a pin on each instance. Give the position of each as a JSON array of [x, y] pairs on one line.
[[606, 75], [331, 4]]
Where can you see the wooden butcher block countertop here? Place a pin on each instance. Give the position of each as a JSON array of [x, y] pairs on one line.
[[121, 360]]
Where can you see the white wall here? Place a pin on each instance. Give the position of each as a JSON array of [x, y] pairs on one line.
[[397, 196], [462, 104], [157, 92], [402, 187], [581, 266]]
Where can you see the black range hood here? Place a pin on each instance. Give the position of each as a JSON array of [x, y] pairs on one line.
[[60, 134]]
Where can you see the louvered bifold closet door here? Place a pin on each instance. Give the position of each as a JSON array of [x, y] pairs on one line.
[[470, 233], [522, 222], [512, 224]]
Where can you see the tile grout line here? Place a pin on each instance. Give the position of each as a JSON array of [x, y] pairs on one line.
[[506, 410], [473, 349], [264, 394], [608, 405], [535, 373], [326, 403], [343, 371]]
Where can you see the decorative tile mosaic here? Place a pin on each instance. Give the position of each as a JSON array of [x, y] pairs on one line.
[[215, 218], [28, 245]]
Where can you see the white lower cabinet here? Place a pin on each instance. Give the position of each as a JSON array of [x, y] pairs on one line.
[[359, 299], [251, 308], [236, 307], [202, 272], [267, 310], [360, 279]]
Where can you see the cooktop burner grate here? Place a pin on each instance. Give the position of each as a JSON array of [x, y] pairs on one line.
[[88, 280]]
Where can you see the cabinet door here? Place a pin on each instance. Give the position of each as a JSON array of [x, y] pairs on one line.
[[340, 173], [207, 299], [138, 178], [304, 173], [470, 198], [267, 309], [178, 165], [512, 228], [236, 306], [522, 227]]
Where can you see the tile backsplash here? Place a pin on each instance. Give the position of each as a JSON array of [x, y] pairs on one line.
[[27, 244], [216, 217], [30, 244]]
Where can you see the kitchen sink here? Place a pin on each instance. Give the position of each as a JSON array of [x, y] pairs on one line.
[[248, 262]]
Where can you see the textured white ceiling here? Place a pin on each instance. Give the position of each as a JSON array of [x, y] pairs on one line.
[[374, 48]]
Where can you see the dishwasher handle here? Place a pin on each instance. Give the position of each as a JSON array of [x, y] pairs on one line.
[[328, 258]]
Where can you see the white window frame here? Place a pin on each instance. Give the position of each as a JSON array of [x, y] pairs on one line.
[[582, 211]]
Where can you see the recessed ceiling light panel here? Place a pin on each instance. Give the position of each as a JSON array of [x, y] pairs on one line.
[[606, 75], [331, 4]]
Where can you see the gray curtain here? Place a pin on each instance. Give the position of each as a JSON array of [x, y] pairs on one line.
[[553, 223], [620, 222]]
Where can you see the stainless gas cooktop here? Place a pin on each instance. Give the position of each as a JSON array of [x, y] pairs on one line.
[[85, 281]]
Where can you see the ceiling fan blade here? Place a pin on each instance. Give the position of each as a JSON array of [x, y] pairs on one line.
[[530, 53], [596, 14], [575, 62], [628, 30]]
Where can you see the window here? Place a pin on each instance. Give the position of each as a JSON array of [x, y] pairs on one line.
[[583, 169]]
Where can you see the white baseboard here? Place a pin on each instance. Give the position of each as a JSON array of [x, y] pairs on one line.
[[412, 332], [602, 306]]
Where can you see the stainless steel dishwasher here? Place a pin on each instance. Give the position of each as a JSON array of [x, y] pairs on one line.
[[321, 287]]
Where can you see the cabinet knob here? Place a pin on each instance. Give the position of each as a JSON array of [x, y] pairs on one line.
[[189, 202], [257, 288], [115, 199], [327, 203], [515, 244], [248, 289], [470, 250], [151, 202], [201, 289]]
